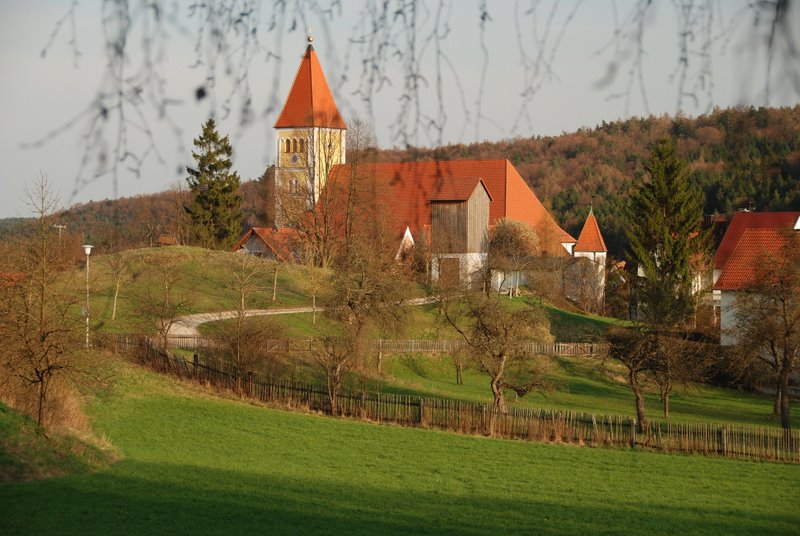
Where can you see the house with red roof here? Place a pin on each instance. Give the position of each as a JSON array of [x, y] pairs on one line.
[[277, 244], [413, 196], [753, 241]]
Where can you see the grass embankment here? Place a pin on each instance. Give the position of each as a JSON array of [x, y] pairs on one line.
[[28, 453], [195, 463]]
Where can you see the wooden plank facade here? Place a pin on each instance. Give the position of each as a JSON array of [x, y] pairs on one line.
[[461, 225]]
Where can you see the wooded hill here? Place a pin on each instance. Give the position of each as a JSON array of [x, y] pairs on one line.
[[740, 158]]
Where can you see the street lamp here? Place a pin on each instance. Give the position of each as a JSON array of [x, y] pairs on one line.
[[87, 250]]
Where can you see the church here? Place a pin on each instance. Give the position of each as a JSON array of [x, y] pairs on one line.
[[452, 204]]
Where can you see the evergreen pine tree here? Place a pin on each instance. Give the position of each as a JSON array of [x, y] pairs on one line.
[[216, 206], [664, 230]]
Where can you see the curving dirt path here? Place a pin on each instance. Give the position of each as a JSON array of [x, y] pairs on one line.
[[187, 325]]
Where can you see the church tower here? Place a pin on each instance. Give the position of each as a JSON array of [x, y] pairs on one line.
[[310, 137]]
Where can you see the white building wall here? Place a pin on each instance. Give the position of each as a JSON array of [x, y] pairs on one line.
[[471, 267], [728, 318]]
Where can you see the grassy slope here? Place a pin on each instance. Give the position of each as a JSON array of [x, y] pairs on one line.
[[27, 454], [204, 278], [194, 464], [204, 274]]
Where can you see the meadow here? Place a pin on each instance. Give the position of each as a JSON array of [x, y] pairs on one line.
[[195, 462]]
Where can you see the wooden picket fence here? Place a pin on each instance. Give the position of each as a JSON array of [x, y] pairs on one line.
[[287, 346], [754, 443]]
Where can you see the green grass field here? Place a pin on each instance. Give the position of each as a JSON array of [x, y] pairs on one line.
[[195, 463]]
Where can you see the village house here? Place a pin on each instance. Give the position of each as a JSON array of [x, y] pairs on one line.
[[751, 240]]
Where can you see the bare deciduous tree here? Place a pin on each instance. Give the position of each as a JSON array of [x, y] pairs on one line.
[[512, 246], [496, 338], [119, 264], [160, 298], [38, 324], [768, 319], [337, 356]]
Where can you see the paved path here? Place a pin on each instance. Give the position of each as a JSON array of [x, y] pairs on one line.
[[187, 325]]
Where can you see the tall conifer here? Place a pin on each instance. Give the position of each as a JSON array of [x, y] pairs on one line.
[[664, 229], [216, 206]]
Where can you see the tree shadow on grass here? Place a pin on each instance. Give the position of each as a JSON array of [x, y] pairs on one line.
[[147, 498]]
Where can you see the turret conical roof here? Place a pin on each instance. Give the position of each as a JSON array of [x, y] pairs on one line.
[[590, 240]]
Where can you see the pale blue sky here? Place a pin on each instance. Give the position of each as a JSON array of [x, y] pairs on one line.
[[39, 94]]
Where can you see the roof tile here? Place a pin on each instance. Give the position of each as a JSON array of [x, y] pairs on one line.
[[750, 220], [744, 266]]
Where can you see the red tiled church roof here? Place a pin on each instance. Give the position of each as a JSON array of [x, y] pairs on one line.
[[310, 103], [744, 266], [590, 239], [408, 187], [750, 220]]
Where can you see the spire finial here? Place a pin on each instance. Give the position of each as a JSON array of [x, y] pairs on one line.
[[310, 37]]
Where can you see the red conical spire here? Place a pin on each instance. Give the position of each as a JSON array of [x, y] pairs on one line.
[[590, 240], [310, 103]]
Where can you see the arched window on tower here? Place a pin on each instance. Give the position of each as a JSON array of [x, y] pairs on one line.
[[294, 145], [288, 146]]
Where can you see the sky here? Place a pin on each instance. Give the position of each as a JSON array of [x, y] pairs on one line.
[[531, 68]]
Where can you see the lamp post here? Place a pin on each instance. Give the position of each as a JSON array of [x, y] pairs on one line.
[[87, 250]]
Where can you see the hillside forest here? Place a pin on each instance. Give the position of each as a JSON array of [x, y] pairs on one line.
[[741, 158]]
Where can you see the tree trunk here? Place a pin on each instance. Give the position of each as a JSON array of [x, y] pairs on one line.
[[42, 401], [633, 377], [314, 309], [114, 306], [275, 284], [784, 394], [459, 373], [666, 390], [499, 405], [776, 406]]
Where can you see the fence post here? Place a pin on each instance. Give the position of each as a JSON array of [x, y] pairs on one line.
[[633, 433], [723, 432], [421, 409], [380, 360], [194, 366]]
